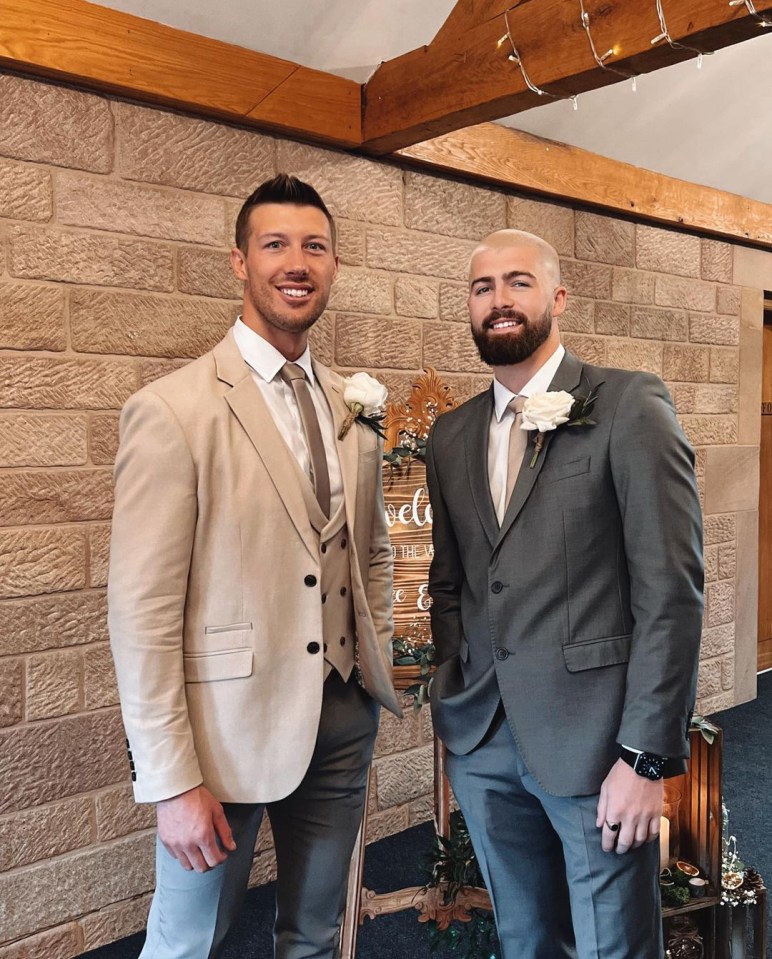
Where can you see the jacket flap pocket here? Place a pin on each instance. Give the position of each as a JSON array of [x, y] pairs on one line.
[[229, 664], [551, 472], [597, 653]]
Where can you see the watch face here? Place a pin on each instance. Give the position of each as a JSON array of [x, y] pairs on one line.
[[650, 766]]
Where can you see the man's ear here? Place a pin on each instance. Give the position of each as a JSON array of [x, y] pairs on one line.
[[337, 268], [559, 300], [237, 263]]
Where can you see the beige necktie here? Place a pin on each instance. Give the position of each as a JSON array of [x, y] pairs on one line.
[[518, 440], [295, 375]]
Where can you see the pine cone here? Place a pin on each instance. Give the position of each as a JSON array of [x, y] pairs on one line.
[[753, 880]]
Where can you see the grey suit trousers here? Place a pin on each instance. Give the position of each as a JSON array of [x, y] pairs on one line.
[[555, 893], [314, 831]]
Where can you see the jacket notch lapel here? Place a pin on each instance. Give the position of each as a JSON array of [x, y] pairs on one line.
[[348, 447], [476, 448]]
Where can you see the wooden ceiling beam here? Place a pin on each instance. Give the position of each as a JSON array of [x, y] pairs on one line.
[[111, 51], [463, 78]]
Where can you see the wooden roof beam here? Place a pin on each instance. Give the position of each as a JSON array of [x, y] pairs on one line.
[[463, 78]]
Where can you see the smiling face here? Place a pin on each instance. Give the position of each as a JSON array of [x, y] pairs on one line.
[[288, 268], [514, 296]]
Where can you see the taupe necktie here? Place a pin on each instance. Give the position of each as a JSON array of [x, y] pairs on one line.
[[518, 441], [295, 376]]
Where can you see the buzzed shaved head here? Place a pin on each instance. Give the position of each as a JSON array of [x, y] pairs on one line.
[[518, 238]]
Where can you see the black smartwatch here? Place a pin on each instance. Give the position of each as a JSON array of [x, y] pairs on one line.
[[645, 764]]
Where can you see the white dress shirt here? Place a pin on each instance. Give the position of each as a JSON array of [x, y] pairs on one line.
[[501, 423], [265, 363]]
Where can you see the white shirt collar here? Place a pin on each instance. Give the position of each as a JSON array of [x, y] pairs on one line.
[[538, 383], [263, 357]]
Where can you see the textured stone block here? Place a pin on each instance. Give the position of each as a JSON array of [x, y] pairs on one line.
[[99, 554], [635, 355], [369, 341], [115, 922], [42, 561], [11, 698], [612, 319], [686, 364], [416, 298], [666, 251], [55, 496], [32, 439], [709, 678], [453, 303], [720, 604], [352, 187], [683, 294], [578, 316], [404, 777], [322, 339], [653, 324], [122, 207], [361, 291], [729, 300], [150, 370], [711, 563], [118, 815], [207, 273], [92, 259], [710, 430], [632, 286], [351, 242], [193, 154], [427, 728], [716, 261], [720, 330], [418, 253], [70, 619], [54, 760], [421, 810], [103, 438], [551, 222], [732, 476], [720, 529], [263, 869], [717, 640], [727, 672], [709, 705], [30, 383], [32, 317], [605, 239], [149, 326], [60, 943], [47, 123], [35, 834], [453, 208], [99, 683], [586, 279], [591, 349], [713, 398], [395, 735], [724, 365], [81, 883], [383, 824], [54, 684], [451, 349], [727, 562], [25, 192]]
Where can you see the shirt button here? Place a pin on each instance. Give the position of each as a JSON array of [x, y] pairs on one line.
[[325, 647], [313, 647], [324, 598], [343, 640], [502, 654], [496, 586], [343, 591], [343, 544], [324, 547], [310, 580]]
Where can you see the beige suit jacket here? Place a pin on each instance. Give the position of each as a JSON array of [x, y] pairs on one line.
[[214, 584]]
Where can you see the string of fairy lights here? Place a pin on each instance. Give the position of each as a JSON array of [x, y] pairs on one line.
[[602, 59]]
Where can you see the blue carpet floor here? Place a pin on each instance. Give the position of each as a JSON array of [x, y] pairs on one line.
[[400, 860]]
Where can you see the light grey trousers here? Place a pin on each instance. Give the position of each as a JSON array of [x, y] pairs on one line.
[[555, 893], [314, 832]]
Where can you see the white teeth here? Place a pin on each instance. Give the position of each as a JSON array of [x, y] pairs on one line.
[[505, 324], [291, 291]]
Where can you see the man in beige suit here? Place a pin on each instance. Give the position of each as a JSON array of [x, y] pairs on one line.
[[250, 588]]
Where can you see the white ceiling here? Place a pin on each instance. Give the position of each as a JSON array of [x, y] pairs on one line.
[[711, 126]]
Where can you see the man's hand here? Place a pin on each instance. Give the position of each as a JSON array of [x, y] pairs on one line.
[[190, 825], [632, 801]]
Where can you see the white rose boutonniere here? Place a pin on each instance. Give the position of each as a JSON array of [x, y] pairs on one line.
[[545, 412], [366, 399]]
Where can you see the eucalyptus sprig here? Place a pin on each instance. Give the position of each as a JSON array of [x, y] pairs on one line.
[[407, 653], [706, 728], [414, 449]]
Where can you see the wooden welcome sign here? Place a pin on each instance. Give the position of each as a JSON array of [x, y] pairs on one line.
[[408, 512]]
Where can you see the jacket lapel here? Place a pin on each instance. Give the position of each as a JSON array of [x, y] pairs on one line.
[[249, 407], [476, 446], [568, 377], [348, 447]]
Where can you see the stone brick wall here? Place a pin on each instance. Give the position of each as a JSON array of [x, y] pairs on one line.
[[115, 224]]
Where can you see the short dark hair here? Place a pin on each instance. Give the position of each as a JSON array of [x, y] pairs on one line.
[[283, 188]]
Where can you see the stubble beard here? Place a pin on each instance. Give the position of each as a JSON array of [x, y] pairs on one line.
[[501, 349], [287, 320]]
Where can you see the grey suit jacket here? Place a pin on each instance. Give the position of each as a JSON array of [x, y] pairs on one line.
[[583, 612]]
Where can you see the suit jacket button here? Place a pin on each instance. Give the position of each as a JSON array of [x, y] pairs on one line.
[[496, 586], [133, 777], [502, 654], [313, 647], [310, 580]]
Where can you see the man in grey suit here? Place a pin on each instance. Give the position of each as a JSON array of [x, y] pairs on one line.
[[567, 604]]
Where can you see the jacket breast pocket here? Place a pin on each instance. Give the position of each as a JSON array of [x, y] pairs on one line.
[[225, 664], [609, 651], [553, 473]]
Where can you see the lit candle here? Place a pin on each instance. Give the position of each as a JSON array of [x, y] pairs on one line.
[[664, 842]]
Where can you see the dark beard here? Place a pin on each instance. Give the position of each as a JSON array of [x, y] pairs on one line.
[[506, 350]]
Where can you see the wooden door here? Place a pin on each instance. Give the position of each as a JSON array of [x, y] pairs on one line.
[[765, 502]]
